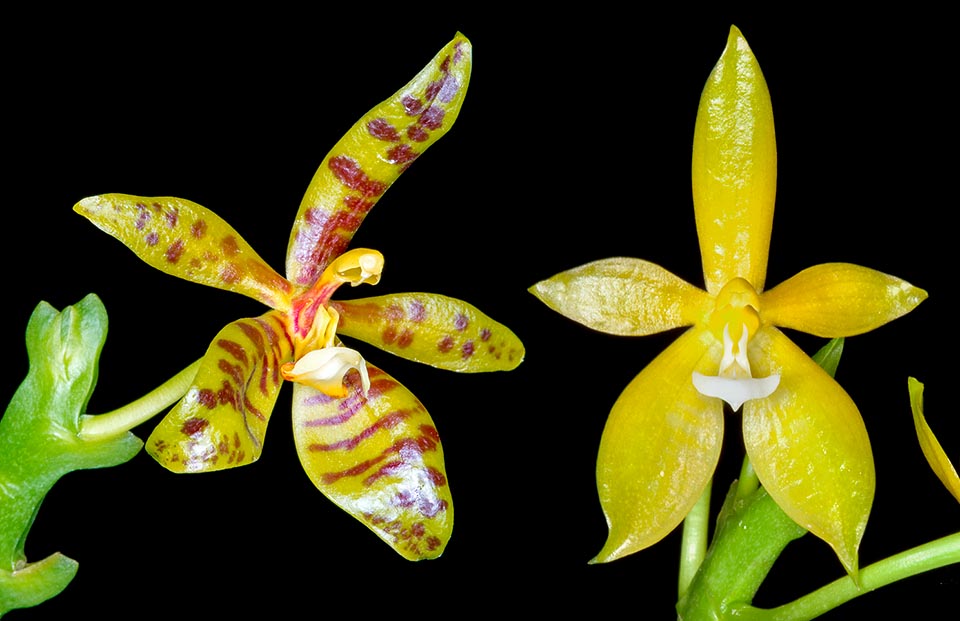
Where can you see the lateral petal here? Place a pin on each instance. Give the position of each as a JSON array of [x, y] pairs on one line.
[[220, 423], [809, 447], [370, 157], [379, 459], [660, 447], [624, 296], [936, 456], [734, 169], [187, 240], [838, 299], [433, 329]]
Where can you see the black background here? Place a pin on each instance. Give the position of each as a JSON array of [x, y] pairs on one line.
[[573, 145]]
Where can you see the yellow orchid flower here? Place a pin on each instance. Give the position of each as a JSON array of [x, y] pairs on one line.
[[803, 433], [364, 440]]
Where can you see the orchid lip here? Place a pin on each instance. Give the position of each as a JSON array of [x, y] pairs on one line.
[[324, 370], [735, 390]]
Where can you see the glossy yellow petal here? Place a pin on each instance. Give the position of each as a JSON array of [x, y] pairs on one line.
[[809, 447], [370, 157], [624, 296], [929, 444], [434, 329], [838, 299], [184, 239], [660, 447], [734, 169], [221, 421], [379, 458]]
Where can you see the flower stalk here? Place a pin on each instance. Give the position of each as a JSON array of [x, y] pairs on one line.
[[137, 412]]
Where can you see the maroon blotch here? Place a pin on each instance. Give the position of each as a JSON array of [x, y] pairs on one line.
[[432, 117], [198, 229], [417, 133], [383, 130], [174, 251], [445, 344], [411, 105], [193, 426]]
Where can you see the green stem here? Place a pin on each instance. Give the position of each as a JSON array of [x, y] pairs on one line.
[[693, 547], [931, 555], [132, 414], [748, 481]]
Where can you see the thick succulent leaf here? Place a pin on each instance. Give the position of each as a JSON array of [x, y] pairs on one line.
[[809, 447], [443, 332], [378, 457], [370, 157], [35, 583], [936, 456], [660, 447], [839, 299], [221, 421], [734, 169], [624, 296], [42, 438], [184, 239]]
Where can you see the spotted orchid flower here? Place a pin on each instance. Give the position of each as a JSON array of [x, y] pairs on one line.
[[803, 434], [364, 440]]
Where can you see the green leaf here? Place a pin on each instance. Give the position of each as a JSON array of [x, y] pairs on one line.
[[829, 356], [40, 440]]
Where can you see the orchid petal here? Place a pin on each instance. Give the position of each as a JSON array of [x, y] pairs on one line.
[[809, 447], [734, 169], [379, 458], [433, 329], [624, 296], [936, 456], [839, 299], [221, 421], [184, 239], [659, 448], [370, 157]]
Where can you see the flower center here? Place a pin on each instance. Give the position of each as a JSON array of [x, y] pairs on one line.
[[734, 322], [321, 362]]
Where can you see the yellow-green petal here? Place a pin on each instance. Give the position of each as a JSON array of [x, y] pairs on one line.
[[370, 157], [660, 447], [184, 239], [221, 421], [809, 447], [378, 457], [433, 329], [936, 456], [838, 299], [734, 169], [624, 296]]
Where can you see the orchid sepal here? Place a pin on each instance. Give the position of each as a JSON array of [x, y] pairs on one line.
[[659, 448], [222, 420], [809, 447], [377, 454], [433, 329], [371, 156], [734, 169]]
